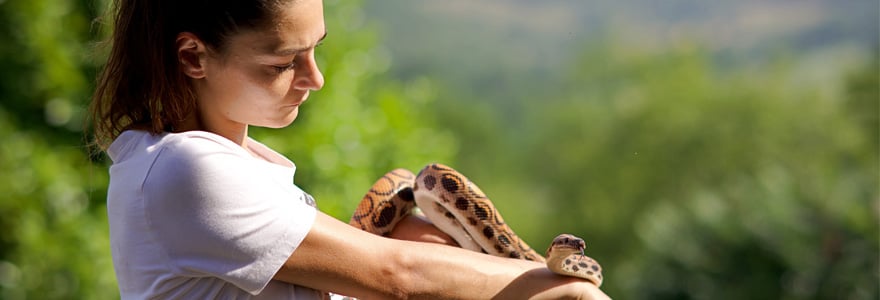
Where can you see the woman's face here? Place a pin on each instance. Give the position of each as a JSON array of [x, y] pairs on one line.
[[262, 77]]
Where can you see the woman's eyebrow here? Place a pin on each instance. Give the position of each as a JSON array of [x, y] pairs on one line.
[[287, 52]]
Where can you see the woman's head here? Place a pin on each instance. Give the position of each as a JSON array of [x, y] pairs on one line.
[[167, 55]]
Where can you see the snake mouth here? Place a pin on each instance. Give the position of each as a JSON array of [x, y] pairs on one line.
[[567, 241]]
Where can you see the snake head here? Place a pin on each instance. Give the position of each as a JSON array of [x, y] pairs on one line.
[[567, 243]]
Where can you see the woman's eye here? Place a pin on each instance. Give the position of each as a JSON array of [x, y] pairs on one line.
[[286, 67]]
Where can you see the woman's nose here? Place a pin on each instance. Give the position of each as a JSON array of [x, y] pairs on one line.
[[309, 76]]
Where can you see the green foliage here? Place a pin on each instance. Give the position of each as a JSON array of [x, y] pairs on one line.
[[692, 182], [739, 185], [55, 240], [54, 244]]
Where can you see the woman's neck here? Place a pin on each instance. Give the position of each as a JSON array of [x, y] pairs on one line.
[[235, 132]]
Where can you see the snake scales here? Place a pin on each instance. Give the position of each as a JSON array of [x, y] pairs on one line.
[[458, 207]]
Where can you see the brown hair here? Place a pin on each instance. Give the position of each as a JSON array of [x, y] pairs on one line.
[[142, 84]]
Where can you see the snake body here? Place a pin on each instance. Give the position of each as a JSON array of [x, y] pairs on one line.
[[388, 201], [459, 208]]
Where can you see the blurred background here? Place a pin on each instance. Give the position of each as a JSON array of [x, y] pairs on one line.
[[704, 149]]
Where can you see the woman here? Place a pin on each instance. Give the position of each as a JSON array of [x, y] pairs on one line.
[[199, 210]]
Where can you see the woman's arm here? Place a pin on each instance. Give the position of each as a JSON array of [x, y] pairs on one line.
[[337, 257]]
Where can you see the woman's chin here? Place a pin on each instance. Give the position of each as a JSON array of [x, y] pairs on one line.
[[282, 121]]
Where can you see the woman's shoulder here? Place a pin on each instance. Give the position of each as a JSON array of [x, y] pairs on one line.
[[200, 141], [133, 143], [188, 158]]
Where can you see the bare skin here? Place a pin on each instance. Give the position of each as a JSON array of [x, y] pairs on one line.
[[372, 267], [261, 79], [420, 229]]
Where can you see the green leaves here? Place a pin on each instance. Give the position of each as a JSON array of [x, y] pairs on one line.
[[693, 181]]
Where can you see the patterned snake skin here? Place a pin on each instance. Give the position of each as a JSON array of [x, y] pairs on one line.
[[458, 207]]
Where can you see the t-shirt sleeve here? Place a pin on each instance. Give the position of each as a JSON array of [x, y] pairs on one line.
[[216, 213]]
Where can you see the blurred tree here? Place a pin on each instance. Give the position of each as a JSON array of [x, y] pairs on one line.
[[54, 242], [697, 183], [689, 178]]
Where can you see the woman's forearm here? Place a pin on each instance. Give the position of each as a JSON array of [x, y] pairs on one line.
[[339, 258], [453, 273], [415, 228]]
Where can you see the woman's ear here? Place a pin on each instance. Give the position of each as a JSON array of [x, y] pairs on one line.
[[191, 53]]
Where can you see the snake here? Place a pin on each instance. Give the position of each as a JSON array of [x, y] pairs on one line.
[[456, 206]]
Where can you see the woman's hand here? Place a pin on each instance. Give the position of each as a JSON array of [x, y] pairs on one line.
[[541, 283], [420, 229]]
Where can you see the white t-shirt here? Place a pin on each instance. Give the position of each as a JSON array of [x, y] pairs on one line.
[[195, 216]]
